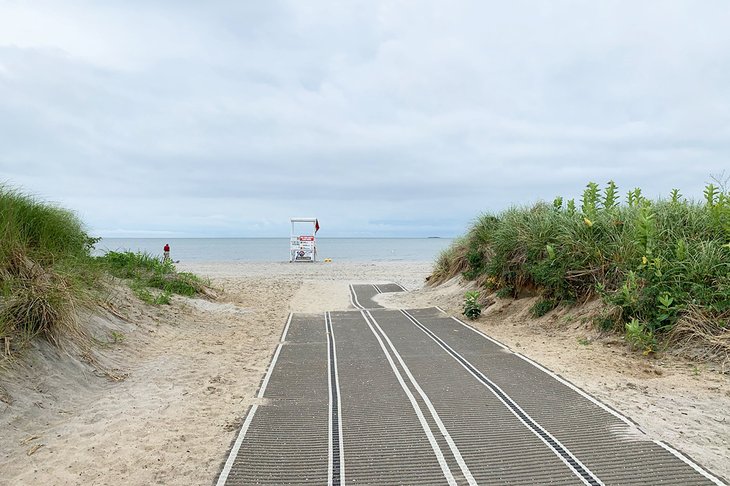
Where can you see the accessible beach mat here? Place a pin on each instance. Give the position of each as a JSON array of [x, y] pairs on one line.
[[418, 397], [361, 295]]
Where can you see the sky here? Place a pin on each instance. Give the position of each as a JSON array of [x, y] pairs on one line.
[[381, 118]]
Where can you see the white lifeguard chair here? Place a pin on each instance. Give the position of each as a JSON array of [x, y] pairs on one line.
[[303, 244]]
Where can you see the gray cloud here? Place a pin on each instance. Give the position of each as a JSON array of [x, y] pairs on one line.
[[186, 118]]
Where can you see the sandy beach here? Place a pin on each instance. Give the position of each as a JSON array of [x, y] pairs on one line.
[[566, 153], [162, 395]]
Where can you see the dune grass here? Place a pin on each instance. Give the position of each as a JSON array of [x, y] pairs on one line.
[[144, 271], [47, 273], [45, 270], [663, 266]]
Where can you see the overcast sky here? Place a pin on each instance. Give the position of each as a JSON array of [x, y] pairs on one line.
[[381, 118]]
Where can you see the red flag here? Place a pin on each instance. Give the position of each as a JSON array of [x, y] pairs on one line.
[[316, 226]]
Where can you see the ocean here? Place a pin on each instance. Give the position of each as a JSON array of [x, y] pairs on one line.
[[277, 249]]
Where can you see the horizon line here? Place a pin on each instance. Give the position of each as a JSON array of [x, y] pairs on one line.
[[266, 237]]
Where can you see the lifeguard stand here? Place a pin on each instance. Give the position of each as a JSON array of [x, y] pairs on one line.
[[303, 243]]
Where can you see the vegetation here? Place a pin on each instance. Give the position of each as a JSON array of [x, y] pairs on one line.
[[145, 271], [47, 273], [472, 307], [543, 306], [663, 266], [45, 269]]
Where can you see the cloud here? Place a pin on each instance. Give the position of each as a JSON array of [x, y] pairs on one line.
[[229, 118]]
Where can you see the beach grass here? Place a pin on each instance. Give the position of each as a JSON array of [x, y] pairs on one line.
[[47, 273], [661, 266], [145, 271]]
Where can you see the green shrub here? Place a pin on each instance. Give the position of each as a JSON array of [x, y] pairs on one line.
[[640, 337], [651, 259], [472, 307], [474, 260]]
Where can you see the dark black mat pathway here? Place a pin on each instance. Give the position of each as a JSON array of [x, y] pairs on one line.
[[361, 295], [417, 397]]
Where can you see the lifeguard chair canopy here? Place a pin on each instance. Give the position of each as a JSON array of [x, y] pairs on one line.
[[302, 240]]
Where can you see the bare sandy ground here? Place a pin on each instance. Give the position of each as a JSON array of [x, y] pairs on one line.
[[160, 397]]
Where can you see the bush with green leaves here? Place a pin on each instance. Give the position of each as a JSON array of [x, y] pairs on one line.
[[472, 307], [652, 259], [640, 336]]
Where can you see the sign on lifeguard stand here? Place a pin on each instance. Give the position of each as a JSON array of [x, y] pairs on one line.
[[303, 242]]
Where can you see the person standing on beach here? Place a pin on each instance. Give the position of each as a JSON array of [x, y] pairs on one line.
[[166, 252]]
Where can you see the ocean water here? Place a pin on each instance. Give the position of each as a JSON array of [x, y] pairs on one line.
[[277, 249]]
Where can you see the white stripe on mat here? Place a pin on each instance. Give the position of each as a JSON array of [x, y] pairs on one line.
[[513, 407], [596, 402], [234, 451], [354, 296], [429, 434], [242, 433], [442, 428]]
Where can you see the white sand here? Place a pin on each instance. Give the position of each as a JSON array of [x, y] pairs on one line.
[[163, 403]]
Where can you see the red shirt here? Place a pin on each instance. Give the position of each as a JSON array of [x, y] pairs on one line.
[[167, 248]]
